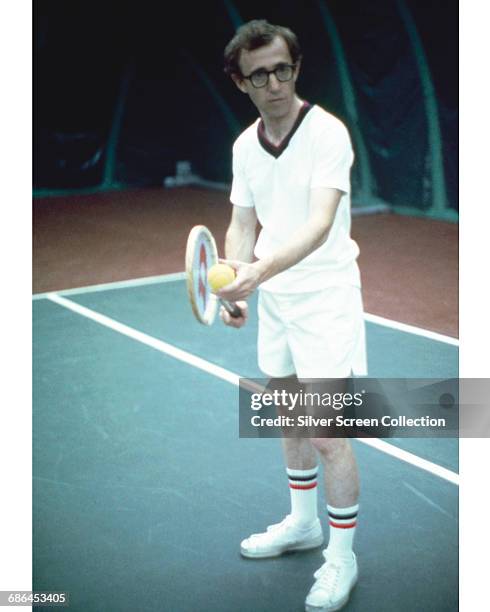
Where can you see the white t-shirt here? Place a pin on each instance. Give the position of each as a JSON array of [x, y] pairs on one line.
[[277, 181]]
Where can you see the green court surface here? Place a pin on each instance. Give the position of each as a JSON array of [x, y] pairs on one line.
[[143, 490]]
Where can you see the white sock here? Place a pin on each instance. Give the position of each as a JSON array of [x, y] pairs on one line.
[[342, 523], [303, 490]]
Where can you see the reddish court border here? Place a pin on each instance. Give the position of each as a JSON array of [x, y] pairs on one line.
[[409, 265]]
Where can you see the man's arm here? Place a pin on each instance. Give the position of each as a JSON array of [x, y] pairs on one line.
[[240, 236], [239, 245], [306, 239]]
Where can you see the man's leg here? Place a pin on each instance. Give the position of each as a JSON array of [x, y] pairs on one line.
[[301, 529], [341, 475], [338, 575], [302, 469], [342, 491], [302, 473]]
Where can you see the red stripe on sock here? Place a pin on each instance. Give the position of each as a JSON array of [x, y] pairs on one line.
[[342, 526], [303, 487]]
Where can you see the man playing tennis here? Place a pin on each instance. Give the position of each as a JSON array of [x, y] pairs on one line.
[[291, 173]]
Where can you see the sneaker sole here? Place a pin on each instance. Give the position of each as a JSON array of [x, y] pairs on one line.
[[314, 543], [340, 605]]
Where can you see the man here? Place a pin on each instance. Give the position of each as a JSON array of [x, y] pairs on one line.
[[291, 173]]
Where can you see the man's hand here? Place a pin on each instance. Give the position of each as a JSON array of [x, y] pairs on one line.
[[248, 277], [235, 321]]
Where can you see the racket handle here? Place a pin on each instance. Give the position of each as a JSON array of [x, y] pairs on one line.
[[233, 310]]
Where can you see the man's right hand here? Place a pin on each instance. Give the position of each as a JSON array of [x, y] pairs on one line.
[[235, 321]]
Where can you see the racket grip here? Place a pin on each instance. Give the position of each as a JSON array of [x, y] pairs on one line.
[[231, 308]]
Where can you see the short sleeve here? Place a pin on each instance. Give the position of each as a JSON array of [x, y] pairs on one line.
[[333, 158], [240, 191]]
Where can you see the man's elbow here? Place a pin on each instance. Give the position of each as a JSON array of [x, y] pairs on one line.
[[245, 230], [323, 234]]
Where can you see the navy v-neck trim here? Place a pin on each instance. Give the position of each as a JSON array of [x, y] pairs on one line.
[[277, 150]]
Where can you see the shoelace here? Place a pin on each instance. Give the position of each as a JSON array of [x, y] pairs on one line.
[[327, 576], [271, 529]]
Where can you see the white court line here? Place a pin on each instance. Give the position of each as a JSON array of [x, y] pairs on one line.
[[234, 379], [404, 455], [159, 345], [178, 276], [134, 282], [411, 329]]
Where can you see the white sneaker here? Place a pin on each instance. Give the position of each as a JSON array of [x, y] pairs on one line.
[[282, 537], [334, 581]]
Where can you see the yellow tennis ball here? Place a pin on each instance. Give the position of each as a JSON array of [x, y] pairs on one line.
[[220, 275]]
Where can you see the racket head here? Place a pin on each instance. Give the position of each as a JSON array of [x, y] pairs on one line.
[[201, 253]]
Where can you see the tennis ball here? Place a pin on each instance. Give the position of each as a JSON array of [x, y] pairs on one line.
[[220, 275]]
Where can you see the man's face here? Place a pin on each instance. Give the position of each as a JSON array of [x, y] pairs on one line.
[[275, 99]]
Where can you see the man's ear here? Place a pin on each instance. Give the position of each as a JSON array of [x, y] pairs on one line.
[[239, 82], [297, 69]]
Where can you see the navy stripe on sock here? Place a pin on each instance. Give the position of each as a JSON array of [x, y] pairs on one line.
[[303, 478], [342, 517]]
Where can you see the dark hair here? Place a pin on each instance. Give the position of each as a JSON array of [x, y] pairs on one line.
[[255, 34]]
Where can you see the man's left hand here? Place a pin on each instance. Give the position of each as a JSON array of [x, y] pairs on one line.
[[248, 277]]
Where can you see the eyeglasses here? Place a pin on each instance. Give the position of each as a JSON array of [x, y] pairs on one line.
[[260, 78]]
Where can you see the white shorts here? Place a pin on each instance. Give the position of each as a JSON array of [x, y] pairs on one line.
[[313, 335]]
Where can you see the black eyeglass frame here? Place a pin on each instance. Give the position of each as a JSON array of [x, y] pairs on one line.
[[268, 73]]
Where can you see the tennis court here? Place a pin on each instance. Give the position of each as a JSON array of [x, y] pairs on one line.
[[143, 489]]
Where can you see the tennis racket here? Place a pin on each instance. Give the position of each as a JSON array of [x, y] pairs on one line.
[[201, 253]]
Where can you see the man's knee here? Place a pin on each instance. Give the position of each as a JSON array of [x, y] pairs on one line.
[[330, 448], [285, 388]]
